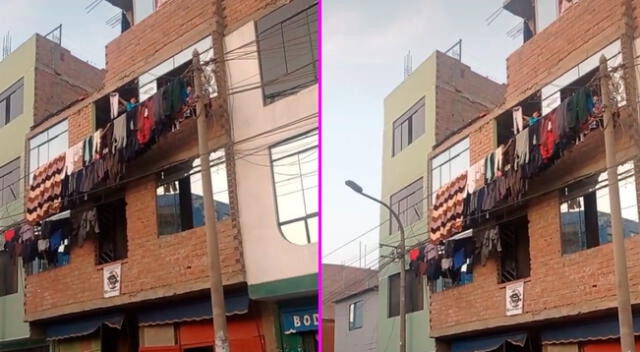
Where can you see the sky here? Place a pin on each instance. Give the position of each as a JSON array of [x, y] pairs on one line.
[[84, 34], [363, 47]]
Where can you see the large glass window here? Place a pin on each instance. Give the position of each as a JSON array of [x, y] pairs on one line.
[[408, 127], [142, 9], [294, 164], [413, 293], [449, 164], [288, 49], [11, 102], [546, 12], [407, 203], [9, 182], [355, 315], [47, 145], [585, 213], [8, 274], [179, 196]]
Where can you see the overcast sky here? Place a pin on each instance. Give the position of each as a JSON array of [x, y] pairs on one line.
[[84, 34], [364, 43]]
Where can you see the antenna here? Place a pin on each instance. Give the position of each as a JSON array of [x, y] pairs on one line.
[[6, 45], [455, 51], [55, 35], [408, 64]]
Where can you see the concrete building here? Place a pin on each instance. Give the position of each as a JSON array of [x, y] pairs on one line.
[[356, 317], [339, 281], [143, 282], [441, 95], [556, 233], [36, 79]]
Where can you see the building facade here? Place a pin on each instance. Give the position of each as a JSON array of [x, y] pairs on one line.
[[356, 318], [440, 95], [38, 78], [551, 287], [134, 274]]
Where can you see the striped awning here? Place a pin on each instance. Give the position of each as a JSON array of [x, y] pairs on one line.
[[82, 326], [191, 310]]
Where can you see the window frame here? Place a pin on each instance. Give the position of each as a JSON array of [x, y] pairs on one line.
[[589, 187], [438, 165], [47, 140], [10, 274], [215, 162], [407, 119], [314, 133], [353, 317], [5, 173], [6, 98], [412, 281], [411, 189], [273, 20]]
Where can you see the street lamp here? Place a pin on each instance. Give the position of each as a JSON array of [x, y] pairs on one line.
[[403, 329]]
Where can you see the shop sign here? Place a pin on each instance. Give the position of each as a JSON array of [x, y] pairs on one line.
[[112, 279], [300, 320], [515, 298]]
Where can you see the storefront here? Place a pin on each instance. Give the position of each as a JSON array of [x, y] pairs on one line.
[[299, 324], [97, 333]]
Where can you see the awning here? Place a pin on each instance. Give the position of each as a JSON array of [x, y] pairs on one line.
[[521, 8], [600, 329], [488, 342], [82, 326], [191, 310], [461, 235]]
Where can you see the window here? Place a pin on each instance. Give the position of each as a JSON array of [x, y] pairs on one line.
[[585, 213], [112, 241], [288, 48], [408, 127], [294, 164], [142, 9], [9, 182], [179, 196], [47, 145], [413, 294], [546, 12], [515, 261], [407, 203], [60, 224], [8, 274], [11, 102], [355, 315], [449, 164]]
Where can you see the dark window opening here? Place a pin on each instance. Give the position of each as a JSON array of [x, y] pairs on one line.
[[11, 102], [408, 127], [574, 86], [112, 241], [414, 300], [177, 72], [179, 195], [119, 340], [128, 93], [515, 260], [8, 274], [504, 122], [584, 210], [407, 203], [355, 315], [287, 46]]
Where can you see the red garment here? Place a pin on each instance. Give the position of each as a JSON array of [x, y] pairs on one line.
[[145, 122], [414, 253], [8, 235], [548, 140]]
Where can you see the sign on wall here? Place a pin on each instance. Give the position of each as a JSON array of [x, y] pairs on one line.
[[515, 298], [300, 320], [112, 279]]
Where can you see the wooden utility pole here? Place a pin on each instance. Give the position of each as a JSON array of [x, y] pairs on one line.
[[215, 276], [625, 317]]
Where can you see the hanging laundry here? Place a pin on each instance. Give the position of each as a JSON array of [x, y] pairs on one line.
[[488, 243], [114, 103], [119, 133], [97, 140], [26, 232], [448, 208], [44, 197], [518, 120], [84, 224], [145, 120]]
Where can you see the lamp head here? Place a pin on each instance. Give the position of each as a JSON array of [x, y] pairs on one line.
[[354, 186]]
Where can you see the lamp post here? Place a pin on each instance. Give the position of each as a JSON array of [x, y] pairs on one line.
[[402, 248]]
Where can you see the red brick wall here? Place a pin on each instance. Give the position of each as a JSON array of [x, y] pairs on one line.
[[154, 265], [61, 79], [481, 142], [563, 44], [80, 124]]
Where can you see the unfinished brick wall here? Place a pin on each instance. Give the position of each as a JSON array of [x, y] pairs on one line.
[[481, 142], [80, 124], [584, 29], [461, 96], [155, 266], [61, 79]]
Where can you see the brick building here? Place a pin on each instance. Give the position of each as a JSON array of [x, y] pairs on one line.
[[141, 282], [555, 235], [38, 78]]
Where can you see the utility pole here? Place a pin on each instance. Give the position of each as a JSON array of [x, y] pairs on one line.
[[625, 317], [215, 276], [401, 254]]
